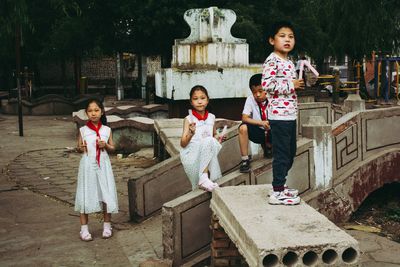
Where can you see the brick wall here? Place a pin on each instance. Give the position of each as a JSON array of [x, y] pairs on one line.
[[97, 70], [224, 253]]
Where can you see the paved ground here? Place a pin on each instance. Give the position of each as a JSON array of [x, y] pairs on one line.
[[38, 226]]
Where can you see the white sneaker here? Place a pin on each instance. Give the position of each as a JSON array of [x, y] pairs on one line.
[[283, 198], [292, 191], [288, 191]]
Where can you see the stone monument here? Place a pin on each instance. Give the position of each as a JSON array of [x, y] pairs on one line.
[[212, 57]]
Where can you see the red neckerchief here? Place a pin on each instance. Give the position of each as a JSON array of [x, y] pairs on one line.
[[198, 116], [93, 127], [263, 107]]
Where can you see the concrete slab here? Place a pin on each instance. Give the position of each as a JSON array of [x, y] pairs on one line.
[[268, 235]]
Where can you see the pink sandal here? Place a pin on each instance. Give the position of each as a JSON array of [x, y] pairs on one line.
[[107, 233], [85, 236], [208, 185]]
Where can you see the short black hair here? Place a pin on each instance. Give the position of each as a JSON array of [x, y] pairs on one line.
[[275, 27], [255, 80]]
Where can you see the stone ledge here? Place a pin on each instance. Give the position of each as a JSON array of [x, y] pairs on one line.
[[115, 122], [51, 104], [146, 109]]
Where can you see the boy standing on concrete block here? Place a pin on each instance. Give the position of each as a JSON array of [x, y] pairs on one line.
[[280, 83]]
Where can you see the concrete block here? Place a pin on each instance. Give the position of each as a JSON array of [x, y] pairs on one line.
[[150, 189], [186, 223], [269, 235]]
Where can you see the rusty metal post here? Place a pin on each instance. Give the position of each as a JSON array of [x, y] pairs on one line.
[[18, 74]]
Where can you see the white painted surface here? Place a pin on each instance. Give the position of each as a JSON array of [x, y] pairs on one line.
[[210, 25], [230, 83], [323, 161]]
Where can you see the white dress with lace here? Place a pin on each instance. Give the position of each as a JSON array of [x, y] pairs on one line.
[[202, 151], [95, 184]]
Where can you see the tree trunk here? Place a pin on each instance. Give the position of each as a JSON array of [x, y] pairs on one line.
[[63, 76], [77, 72], [350, 69]]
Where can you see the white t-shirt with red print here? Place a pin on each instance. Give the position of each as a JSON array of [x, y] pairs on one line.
[[277, 80]]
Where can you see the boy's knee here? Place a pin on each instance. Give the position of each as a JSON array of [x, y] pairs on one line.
[[243, 129]]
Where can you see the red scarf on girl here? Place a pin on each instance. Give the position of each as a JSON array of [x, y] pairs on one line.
[[198, 116], [96, 129]]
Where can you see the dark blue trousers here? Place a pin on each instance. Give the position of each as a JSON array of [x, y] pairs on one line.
[[284, 145]]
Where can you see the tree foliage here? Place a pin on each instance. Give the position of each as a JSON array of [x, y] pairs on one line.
[[63, 29]]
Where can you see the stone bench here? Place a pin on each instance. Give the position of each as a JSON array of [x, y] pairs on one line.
[[153, 111]]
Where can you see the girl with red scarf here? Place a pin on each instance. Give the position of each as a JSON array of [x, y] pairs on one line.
[[96, 189], [200, 148]]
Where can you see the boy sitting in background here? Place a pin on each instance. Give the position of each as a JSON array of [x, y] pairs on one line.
[[255, 126]]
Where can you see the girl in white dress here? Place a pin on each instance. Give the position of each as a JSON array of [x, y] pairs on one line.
[[96, 185], [199, 147]]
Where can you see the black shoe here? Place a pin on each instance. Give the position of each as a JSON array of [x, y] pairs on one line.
[[245, 166], [268, 153]]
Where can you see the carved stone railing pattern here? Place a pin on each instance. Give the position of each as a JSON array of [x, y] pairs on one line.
[[359, 135], [346, 146]]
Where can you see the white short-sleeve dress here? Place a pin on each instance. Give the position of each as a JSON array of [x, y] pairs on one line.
[[202, 151], [96, 183]]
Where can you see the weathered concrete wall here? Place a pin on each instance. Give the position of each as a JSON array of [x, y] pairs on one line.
[[210, 43], [230, 82]]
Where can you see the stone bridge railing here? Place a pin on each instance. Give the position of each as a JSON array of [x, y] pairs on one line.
[[354, 156], [132, 126], [51, 104]]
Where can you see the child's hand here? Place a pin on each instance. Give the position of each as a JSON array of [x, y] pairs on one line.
[[265, 124], [298, 84], [192, 128], [83, 147], [221, 138], [101, 143], [222, 135]]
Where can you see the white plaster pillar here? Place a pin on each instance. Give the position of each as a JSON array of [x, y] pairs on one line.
[[321, 133], [354, 102]]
